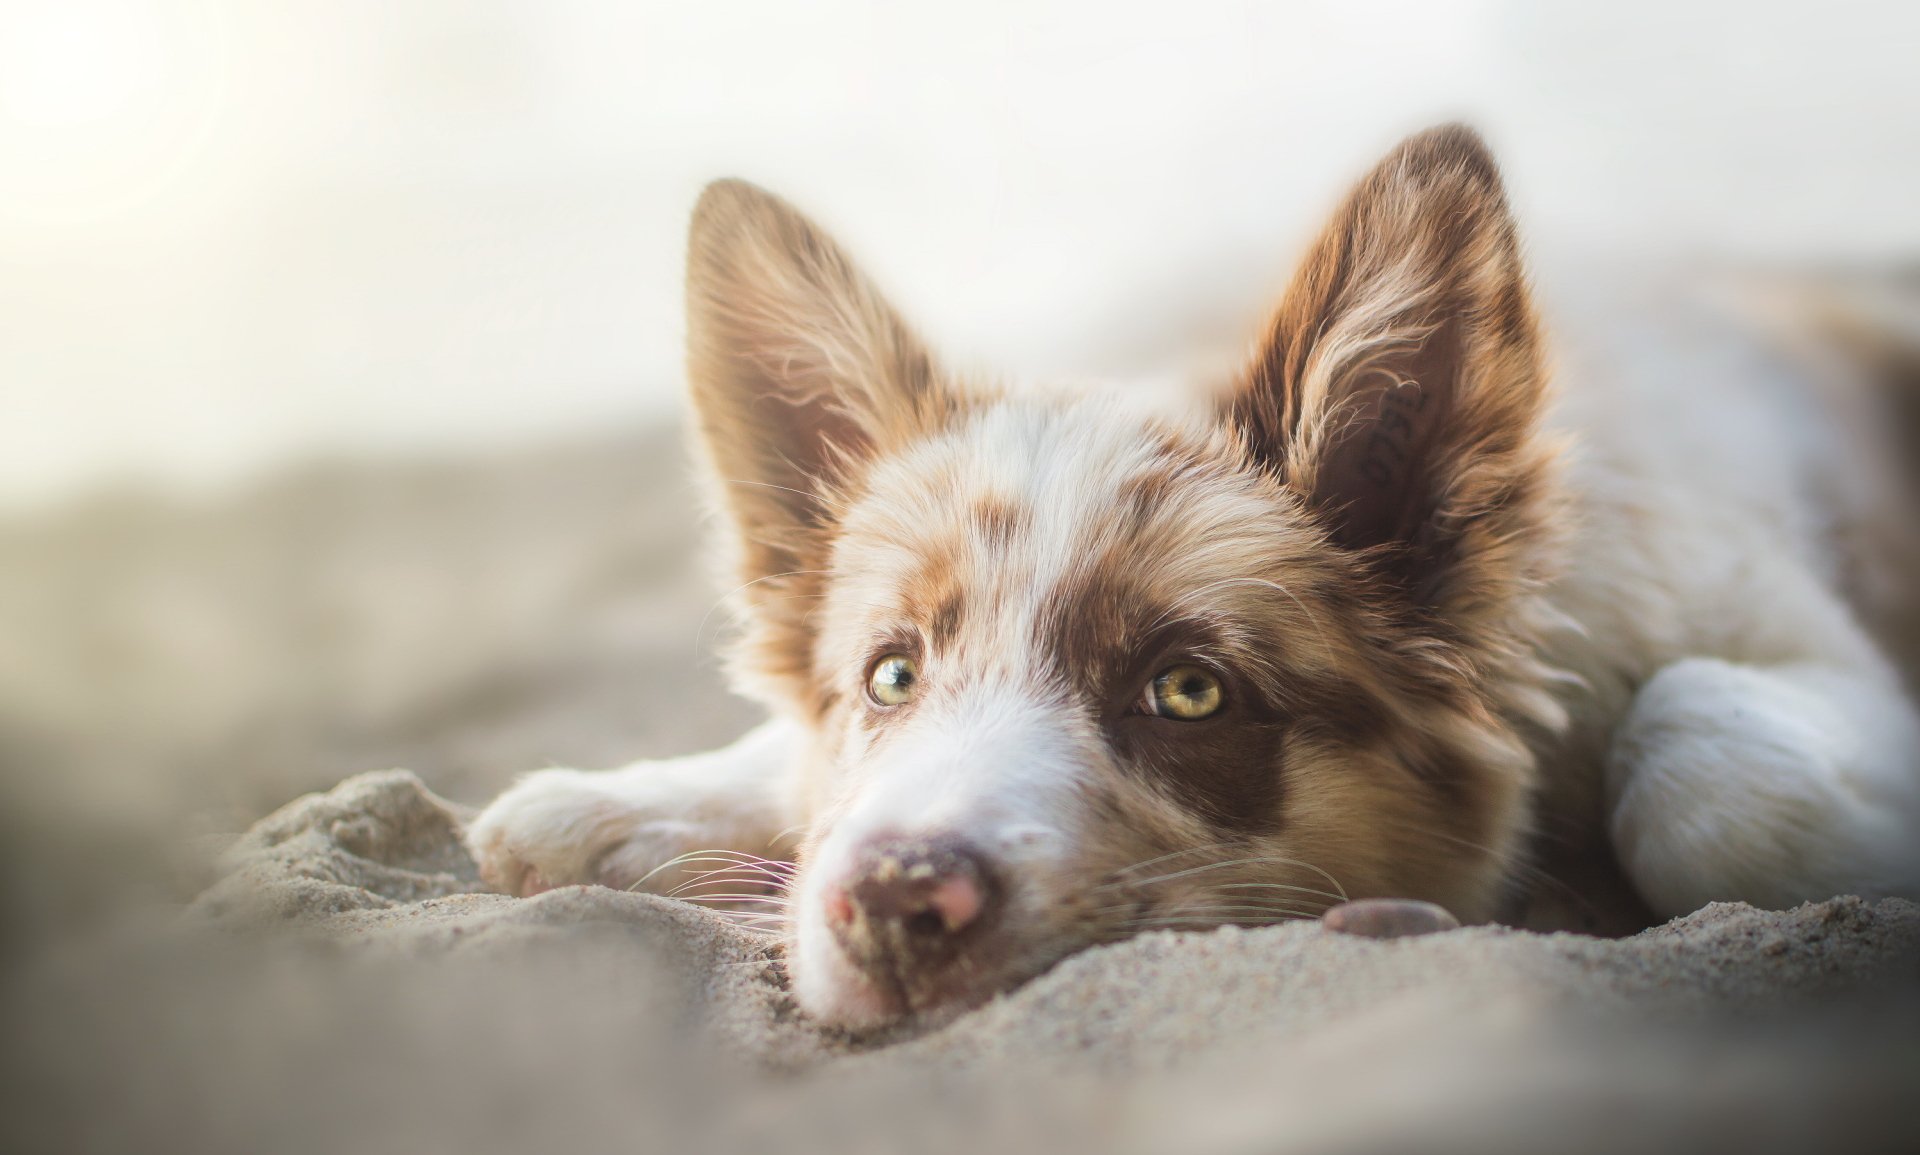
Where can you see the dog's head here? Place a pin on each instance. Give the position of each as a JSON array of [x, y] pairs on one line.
[[1075, 671]]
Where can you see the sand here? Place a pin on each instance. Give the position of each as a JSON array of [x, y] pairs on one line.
[[346, 985]]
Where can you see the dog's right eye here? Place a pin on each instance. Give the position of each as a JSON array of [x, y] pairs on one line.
[[1186, 693], [891, 681]]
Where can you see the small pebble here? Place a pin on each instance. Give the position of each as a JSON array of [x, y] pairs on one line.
[[1388, 918]]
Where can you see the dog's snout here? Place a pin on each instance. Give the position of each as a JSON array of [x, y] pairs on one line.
[[906, 903]]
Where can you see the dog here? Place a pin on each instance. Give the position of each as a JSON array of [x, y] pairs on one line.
[[1384, 615]]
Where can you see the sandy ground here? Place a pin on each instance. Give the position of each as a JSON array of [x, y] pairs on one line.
[[344, 987]]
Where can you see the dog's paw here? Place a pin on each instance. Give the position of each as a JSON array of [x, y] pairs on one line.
[[1731, 782], [559, 828]]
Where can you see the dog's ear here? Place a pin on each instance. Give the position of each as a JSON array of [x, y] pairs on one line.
[[800, 374], [1399, 385]]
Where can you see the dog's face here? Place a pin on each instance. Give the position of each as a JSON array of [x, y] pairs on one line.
[[1076, 671]]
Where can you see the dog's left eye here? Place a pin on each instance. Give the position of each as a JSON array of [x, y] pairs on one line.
[[1188, 693], [890, 682]]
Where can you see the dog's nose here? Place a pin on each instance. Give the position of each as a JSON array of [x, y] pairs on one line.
[[907, 901]]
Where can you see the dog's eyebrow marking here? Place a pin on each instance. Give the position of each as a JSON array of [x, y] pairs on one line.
[[945, 621], [933, 587], [1148, 489], [998, 521]]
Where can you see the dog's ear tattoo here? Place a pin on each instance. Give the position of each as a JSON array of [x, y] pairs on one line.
[[1398, 386], [800, 374]]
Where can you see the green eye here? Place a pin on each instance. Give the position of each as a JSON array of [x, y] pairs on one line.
[[1187, 693], [892, 680]]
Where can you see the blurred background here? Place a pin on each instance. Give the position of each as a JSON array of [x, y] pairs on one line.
[[340, 341]]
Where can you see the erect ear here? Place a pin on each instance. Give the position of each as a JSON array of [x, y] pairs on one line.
[[1399, 385], [800, 374]]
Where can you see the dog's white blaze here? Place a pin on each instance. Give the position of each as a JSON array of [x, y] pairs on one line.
[[991, 767]]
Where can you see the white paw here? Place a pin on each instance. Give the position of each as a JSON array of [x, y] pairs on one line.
[[1730, 783], [566, 827]]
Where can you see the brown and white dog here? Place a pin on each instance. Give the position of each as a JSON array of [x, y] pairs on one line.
[[1383, 618]]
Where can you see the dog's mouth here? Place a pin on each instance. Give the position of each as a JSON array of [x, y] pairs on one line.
[[869, 969], [884, 1001]]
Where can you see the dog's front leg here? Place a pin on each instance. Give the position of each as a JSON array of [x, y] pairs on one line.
[[618, 828], [1768, 784]]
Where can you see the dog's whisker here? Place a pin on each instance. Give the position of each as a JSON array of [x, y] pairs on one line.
[[822, 498], [1173, 854], [1520, 867], [728, 858], [740, 887], [1174, 923], [745, 911], [757, 885], [1208, 909], [1327, 894], [767, 883], [736, 896], [1216, 911], [729, 861], [1313, 619], [1218, 864], [698, 891], [737, 614], [765, 869], [1239, 918], [740, 870], [1227, 864], [1213, 906], [770, 870], [700, 630], [734, 864], [676, 860]]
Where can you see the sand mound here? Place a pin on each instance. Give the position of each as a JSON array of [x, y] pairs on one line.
[[394, 1006]]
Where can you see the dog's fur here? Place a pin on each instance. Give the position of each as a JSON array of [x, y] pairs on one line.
[[1582, 670]]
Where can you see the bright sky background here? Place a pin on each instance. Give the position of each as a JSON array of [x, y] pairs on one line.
[[237, 234]]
